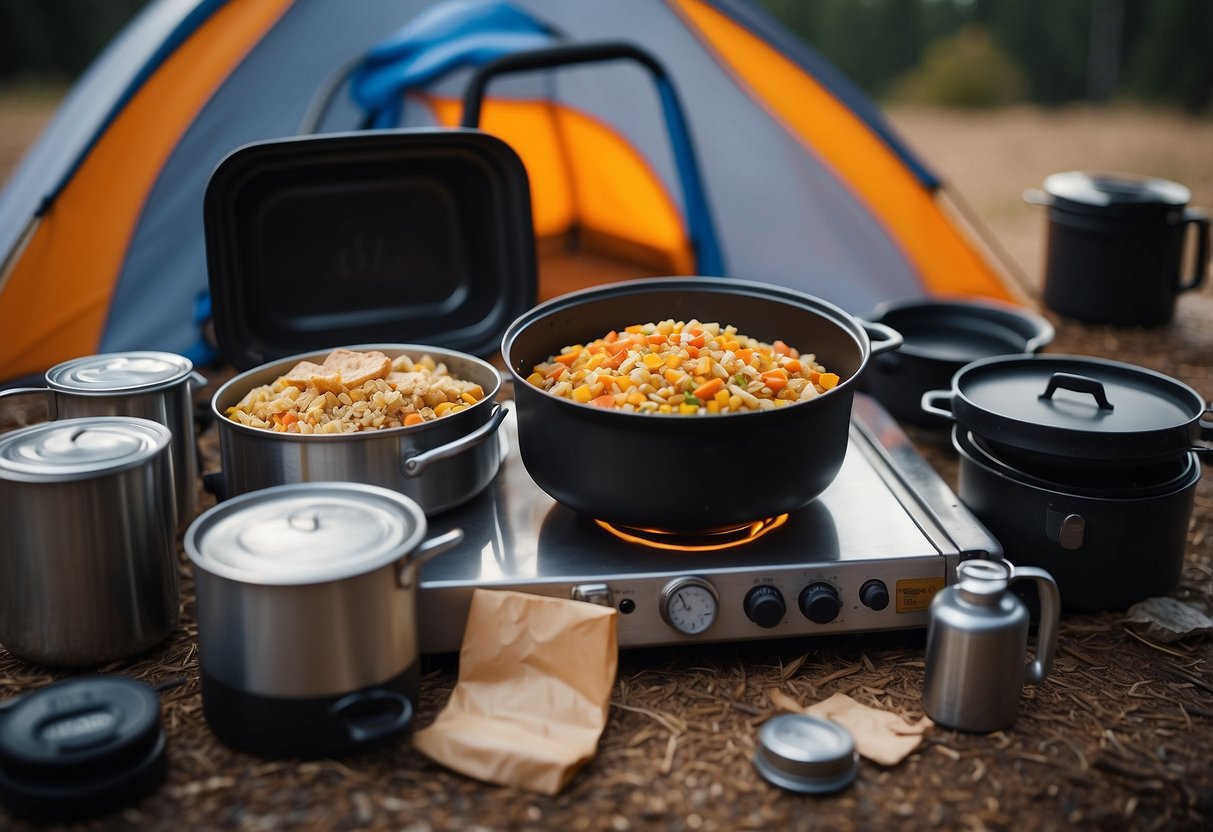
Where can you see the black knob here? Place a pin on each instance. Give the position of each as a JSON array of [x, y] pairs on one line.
[[764, 606], [819, 603], [874, 594]]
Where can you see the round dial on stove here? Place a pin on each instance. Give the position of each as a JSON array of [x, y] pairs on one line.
[[689, 605]]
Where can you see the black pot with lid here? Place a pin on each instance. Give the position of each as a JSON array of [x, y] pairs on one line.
[[1077, 410], [80, 748], [1115, 246]]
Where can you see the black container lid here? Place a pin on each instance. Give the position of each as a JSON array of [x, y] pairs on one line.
[[80, 748], [1114, 194], [382, 236]]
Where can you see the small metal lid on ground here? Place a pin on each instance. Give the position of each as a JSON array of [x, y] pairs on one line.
[[806, 754]]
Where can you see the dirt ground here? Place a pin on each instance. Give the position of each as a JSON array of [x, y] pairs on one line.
[[1120, 736]]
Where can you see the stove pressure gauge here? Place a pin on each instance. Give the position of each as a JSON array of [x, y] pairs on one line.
[[689, 605]]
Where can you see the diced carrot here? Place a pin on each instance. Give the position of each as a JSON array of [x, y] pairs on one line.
[[792, 366], [557, 371], [693, 352], [616, 359], [569, 357], [708, 388], [289, 419], [814, 376], [745, 355], [536, 379], [611, 337], [828, 380], [657, 338], [605, 400], [775, 379], [697, 342], [784, 349], [634, 329], [413, 419]]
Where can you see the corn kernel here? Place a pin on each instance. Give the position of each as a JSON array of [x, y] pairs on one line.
[[582, 393], [636, 398], [596, 361], [828, 380], [713, 406], [653, 361], [722, 397], [664, 408], [442, 408], [673, 361], [734, 402], [688, 409], [468, 397]]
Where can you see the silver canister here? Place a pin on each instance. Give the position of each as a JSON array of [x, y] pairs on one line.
[[88, 566], [149, 385], [976, 643]]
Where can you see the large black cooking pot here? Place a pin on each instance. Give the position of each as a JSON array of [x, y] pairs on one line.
[[688, 472], [1109, 537]]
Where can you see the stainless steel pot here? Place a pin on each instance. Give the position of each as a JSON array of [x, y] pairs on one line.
[[440, 464], [88, 568], [307, 630], [150, 385]]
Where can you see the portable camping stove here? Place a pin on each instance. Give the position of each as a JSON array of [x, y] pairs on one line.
[[867, 555]]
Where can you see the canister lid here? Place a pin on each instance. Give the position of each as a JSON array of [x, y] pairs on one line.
[[804, 753], [80, 748], [119, 372], [74, 449], [305, 533], [1114, 194]]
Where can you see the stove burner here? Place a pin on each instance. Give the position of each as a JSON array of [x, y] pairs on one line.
[[709, 540]]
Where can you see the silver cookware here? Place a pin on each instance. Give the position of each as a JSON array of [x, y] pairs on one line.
[[88, 568], [150, 385], [440, 463], [307, 629]]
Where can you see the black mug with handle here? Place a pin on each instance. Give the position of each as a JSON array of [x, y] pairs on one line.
[[1115, 246]]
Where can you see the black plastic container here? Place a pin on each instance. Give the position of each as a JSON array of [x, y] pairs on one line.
[[1115, 246], [387, 236], [81, 748]]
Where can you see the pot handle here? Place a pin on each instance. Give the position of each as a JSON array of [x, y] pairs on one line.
[[1035, 196], [424, 551], [1200, 265], [881, 337], [51, 410], [370, 715], [932, 402], [415, 464], [1079, 384], [1050, 613]]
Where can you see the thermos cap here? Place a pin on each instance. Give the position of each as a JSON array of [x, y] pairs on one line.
[[806, 754]]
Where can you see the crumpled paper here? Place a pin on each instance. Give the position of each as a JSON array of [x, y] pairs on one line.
[[1167, 619], [535, 679], [880, 736]]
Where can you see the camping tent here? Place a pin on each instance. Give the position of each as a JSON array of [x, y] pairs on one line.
[[781, 172]]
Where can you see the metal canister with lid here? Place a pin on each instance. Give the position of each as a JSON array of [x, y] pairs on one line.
[[307, 630], [976, 641], [88, 568], [150, 385]]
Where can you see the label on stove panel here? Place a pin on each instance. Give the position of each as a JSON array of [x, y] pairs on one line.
[[915, 594]]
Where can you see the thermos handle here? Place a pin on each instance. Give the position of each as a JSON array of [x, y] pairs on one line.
[[1046, 631], [1200, 265]]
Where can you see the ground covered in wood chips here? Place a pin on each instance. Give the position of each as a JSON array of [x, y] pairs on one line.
[[1120, 736]]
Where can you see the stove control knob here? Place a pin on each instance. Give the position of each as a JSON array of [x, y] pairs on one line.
[[874, 595], [764, 606], [819, 603]]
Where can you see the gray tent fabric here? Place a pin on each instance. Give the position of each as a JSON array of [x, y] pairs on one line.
[[781, 215]]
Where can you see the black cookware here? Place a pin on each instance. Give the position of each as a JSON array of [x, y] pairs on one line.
[[1115, 247], [1108, 537], [1086, 412], [941, 336], [688, 472]]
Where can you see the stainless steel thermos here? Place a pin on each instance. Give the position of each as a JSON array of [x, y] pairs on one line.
[[977, 639]]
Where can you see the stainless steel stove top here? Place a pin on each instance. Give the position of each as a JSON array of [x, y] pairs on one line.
[[867, 555]]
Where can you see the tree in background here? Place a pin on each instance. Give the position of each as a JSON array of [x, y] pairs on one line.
[[1067, 50]]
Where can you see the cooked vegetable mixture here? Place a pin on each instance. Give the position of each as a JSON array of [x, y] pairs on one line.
[[353, 391], [686, 368]]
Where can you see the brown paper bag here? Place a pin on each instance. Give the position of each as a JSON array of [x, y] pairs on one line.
[[535, 679]]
